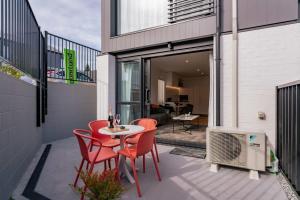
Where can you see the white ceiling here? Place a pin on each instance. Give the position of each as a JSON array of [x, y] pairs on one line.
[[186, 65]]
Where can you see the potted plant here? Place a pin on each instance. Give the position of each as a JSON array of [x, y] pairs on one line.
[[101, 186]]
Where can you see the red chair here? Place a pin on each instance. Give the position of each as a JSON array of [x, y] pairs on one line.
[[107, 141], [143, 146], [148, 124], [102, 154]]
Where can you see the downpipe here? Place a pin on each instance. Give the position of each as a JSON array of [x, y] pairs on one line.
[[218, 63], [235, 62]]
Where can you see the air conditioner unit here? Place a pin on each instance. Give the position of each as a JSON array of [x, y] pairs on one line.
[[236, 148]]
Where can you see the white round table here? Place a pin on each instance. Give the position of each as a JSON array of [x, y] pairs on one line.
[[132, 129]]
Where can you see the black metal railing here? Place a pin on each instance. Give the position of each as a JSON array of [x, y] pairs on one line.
[[181, 10], [22, 47], [20, 36], [85, 59], [288, 131]]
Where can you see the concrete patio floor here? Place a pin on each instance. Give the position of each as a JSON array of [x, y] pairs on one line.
[[183, 178]]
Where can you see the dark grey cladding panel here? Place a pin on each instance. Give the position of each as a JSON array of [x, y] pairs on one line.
[[254, 13], [226, 12], [264, 12], [192, 29]]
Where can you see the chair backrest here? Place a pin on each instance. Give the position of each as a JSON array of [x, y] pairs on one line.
[[95, 126], [145, 142], [84, 141], [187, 109], [147, 123]]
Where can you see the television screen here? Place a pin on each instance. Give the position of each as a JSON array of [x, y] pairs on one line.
[[183, 98]]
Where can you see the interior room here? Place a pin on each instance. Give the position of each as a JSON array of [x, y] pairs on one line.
[[180, 86]]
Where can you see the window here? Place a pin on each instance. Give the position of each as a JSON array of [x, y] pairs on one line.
[[134, 15], [129, 91]]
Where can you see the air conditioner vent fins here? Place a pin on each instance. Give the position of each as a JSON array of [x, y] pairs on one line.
[[228, 149]]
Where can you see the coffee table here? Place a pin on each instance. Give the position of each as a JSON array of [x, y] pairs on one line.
[[185, 119]]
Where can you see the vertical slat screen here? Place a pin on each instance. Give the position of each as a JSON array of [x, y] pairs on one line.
[[288, 131]]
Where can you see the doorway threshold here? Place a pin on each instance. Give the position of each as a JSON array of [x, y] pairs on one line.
[[181, 143]]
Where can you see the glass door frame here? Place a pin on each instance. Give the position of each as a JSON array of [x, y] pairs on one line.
[[141, 103]]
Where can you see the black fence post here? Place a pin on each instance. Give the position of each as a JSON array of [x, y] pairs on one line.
[[38, 83], [45, 73], [38, 104]]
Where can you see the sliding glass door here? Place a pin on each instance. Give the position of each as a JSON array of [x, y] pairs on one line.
[[129, 96]]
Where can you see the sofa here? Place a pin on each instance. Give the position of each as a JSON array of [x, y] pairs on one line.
[[160, 114]]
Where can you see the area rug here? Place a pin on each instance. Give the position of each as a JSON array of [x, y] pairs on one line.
[[190, 152]]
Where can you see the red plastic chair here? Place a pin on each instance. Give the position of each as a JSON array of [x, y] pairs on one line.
[[91, 158], [143, 146], [107, 141], [148, 124]]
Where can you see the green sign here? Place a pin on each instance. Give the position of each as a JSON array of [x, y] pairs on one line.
[[70, 66]]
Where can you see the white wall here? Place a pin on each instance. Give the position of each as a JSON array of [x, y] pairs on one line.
[[198, 91], [106, 85], [267, 58], [156, 74]]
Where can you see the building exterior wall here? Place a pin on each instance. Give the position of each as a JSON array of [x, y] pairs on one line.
[[69, 107], [251, 14], [19, 136], [154, 36], [267, 58]]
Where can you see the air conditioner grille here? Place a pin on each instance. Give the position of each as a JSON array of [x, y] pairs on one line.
[[229, 149]]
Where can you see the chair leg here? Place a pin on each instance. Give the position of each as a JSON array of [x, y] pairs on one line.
[[155, 164], [135, 178], [156, 151], [109, 164], [87, 166], [117, 169], [78, 173], [105, 166], [144, 164], [85, 187]]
